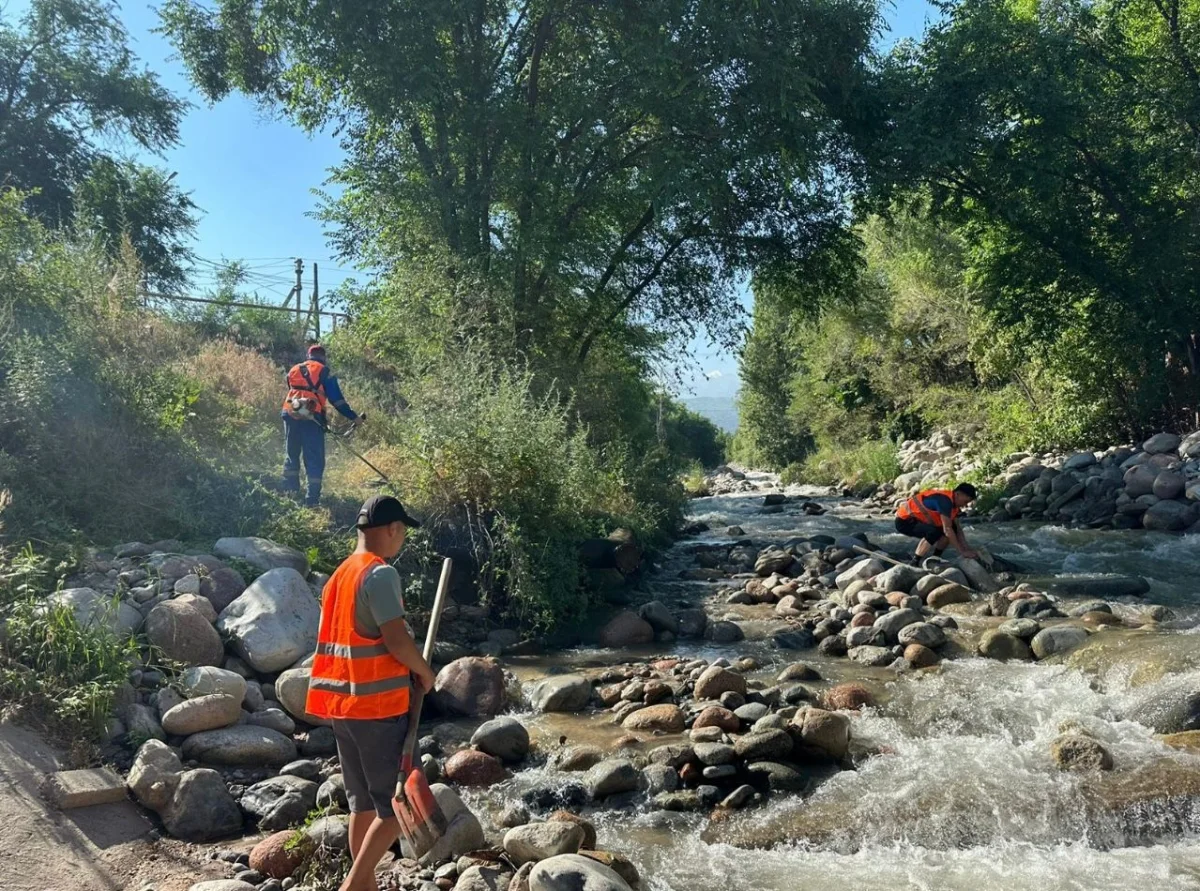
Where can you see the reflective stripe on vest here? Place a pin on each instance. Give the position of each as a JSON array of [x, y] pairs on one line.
[[304, 382], [353, 676], [915, 507]]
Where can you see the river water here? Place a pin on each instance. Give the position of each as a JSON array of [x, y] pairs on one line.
[[966, 797]]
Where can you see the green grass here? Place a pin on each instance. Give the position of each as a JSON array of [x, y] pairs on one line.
[[695, 484], [869, 463]]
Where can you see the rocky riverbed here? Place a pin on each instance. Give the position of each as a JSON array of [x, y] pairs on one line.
[[773, 710]]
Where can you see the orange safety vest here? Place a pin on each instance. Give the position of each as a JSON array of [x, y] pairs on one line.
[[353, 676], [915, 507], [306, 397]]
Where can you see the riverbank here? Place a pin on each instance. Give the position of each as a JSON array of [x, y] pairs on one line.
[[950, 775]]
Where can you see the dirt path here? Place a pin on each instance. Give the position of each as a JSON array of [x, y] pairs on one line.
[[101, 848]]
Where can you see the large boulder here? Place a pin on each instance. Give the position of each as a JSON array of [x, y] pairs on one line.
[[91, 608], [1169, 484], [463, 831], [612, 777], [773, 560], [891, 623], [273, 624], [472, 687], [659, 616], [1169, 516], [716, 680], [242, 744], [280, 802], [262, 554], [898, 578], [574, 872], [184, 634], [693, 622], [155, 775], [539, 841], [504, 738], [1139, 480], [1161, 443], [1172, 710], [1057, 639], [207, 680], [626, 629], [201, 808], [562, 693], [202, 713], [823, 732]]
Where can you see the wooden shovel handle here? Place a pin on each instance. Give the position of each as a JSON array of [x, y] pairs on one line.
[[418, 697]]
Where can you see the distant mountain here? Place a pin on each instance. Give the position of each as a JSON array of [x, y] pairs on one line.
[[721, 410]]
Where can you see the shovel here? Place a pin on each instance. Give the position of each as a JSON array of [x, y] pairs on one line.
[[421, 819]]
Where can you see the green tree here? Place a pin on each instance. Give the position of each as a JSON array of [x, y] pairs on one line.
[[70, 89], [1061, 136], [578, 164]]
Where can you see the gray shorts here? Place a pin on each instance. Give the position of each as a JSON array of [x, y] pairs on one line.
[[370, 755]]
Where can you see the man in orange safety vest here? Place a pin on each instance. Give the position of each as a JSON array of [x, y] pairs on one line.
[[932, 516], [365, 662]]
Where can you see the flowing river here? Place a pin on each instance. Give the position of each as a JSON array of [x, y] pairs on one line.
[[965, 795]]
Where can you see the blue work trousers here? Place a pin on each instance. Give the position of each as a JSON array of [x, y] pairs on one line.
[[304, 439]]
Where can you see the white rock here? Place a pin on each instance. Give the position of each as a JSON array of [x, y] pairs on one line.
[[262, 554], [205, 680], [154, 775], [274, 622], [202, 713]]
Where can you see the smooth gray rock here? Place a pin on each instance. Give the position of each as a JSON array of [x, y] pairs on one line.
[[572, 872], [562, 693], [330, 833], [891, 623], [539, 841], [611, 777], [504, 737], [280, 802], [923, 633], [240, 745], [1057, 639], [202, 713], [201, 808], [659, 616], [464, 833]]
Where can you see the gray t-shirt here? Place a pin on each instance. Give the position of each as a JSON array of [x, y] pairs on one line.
[[380, 600]]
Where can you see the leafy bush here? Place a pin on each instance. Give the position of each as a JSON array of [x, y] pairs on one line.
[[869, 463]]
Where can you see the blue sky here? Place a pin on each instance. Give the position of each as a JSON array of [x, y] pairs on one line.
[[253, 177]]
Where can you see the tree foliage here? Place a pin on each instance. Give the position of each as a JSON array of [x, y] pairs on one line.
[[1062, 137], [578, 164], [70, 90]]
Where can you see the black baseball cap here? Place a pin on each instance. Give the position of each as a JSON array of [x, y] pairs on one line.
[[380, 510]]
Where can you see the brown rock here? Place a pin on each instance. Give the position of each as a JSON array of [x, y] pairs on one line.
[[691, 774], [611, 694], [471, 687], [626, 629], [1096, 618], [1186, 740], [895, 598], [920, 656], [1073, 751], [847, 697], [948, 594], [655, 691], [666, 718], [716, 680], [272, 858], [589, 831], [864, 619], [715, 716], [474, 768]]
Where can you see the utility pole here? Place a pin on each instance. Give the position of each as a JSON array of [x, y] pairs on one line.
[[299, 288], [316, 303]]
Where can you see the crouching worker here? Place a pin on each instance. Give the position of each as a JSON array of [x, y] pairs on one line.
[[932, 516], [364, 664]]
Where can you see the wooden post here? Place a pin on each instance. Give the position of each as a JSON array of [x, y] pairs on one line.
[[316, 303], [299, 289]]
